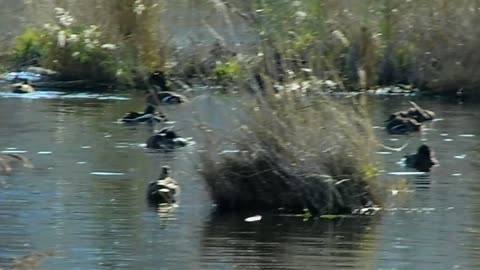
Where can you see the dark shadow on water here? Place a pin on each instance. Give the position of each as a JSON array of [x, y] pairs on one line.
[[286, 242]]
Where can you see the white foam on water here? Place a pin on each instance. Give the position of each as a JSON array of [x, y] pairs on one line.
[[60, 95], [466, 135], [107, 173], [14, 152], [406, 173]]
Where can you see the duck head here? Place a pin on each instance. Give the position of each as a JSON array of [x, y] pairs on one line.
[[164, 172], [424, 159], [424, 152]]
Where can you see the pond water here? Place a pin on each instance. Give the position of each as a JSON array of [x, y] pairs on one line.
[[84, 202]]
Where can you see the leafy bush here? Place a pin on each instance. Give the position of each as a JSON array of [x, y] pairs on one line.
[[120, 53]]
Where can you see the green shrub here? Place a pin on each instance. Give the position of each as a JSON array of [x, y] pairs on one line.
[[120, 52], [30, 47]]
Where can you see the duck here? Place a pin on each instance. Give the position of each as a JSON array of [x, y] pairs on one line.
[[423, 160], [7, 160], [22, 87], [402, 125], [418, 114], [166, 138], [166, 97], [148, 116], [164, 190]]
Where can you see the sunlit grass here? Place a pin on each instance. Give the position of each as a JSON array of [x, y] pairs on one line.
[[294, 155]]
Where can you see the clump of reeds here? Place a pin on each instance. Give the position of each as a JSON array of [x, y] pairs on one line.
[[363, 45], [294, 154]]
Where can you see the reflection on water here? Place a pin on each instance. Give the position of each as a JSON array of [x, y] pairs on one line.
[[84, 202], [288, 243]]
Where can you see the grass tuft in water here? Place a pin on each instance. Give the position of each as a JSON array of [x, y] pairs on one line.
[[295, 155]]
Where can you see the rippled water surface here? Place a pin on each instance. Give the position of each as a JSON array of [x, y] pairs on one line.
[[84, 202]]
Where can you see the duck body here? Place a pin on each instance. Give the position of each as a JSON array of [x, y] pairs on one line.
[[147, 116], [416, 112], [402, 125], [138, 117], [166, 139], [413, 113], [166, 97], [22, 88], [164, 190], [423, 160]]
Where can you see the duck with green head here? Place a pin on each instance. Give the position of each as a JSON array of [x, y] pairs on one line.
[[148, 116], [166, 139]]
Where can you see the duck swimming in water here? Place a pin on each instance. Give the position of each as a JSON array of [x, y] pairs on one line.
[[402, 125], [416, 112], [166, 138], [164, 190], [423, 160], [148, 116], [22, 87], [165, 97]]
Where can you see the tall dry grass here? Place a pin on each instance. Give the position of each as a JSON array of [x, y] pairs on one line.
[[357, 44], [362, 44], [294, 154]]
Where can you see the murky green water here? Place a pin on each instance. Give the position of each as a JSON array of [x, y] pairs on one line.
[[85, 199]]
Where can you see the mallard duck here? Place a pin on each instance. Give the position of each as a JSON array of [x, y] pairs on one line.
[[164, 190], [420, 115], [22, 88], [166, 138], [165, 97], [6, 161], [402, 125], [147, 116], [423, 160]]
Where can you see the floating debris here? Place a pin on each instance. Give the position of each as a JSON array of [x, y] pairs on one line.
[[466, 135], [44, 152]]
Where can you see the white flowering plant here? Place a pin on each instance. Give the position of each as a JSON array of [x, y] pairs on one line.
[[76, 52]]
